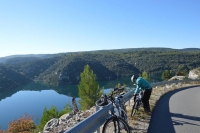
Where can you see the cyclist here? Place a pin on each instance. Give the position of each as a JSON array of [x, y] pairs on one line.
[[141, 83]]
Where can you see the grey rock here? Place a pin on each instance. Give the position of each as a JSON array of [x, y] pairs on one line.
[[51, 124], [67, 121]]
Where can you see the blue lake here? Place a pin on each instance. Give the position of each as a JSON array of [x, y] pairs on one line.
[[31, 100]]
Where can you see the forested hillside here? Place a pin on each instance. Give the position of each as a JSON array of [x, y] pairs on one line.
[[108, 64], [33, 68], [112, 65], [10, 79], [15, 59]]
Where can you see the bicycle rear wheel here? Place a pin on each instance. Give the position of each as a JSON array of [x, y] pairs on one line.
[[112, 126], [134, 108]]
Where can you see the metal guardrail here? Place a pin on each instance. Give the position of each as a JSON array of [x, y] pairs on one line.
[[93, 122], [173, 81]]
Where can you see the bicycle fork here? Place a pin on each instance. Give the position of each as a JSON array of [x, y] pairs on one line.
[[116, 125]]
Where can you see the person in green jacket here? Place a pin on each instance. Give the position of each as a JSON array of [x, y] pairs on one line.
[[141, 83]]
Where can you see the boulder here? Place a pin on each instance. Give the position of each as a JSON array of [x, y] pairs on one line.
[[194, 74], [51, 124]]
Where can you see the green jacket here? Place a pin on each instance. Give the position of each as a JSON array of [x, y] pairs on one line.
[[142, 84]]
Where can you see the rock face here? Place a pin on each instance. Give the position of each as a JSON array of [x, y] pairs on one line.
[[66, 121], [194, 74], [177, 78]]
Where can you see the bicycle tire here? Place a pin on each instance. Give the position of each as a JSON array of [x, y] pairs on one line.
[[134, 108], [124, 115], [111, 126]]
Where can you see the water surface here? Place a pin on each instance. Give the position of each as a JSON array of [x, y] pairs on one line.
[[32, 98]]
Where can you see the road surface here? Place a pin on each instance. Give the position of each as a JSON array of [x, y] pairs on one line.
[[177, 112]]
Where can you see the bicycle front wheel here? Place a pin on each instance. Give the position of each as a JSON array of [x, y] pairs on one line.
[[113, 126], [134, 108]]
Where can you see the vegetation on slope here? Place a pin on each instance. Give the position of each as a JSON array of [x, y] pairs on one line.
[[10, 79], [108, 64]]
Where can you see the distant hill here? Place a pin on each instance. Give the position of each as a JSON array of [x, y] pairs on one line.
[[65, 68], [29, 57], [134, 50], [190, 49], [154, 49], [15, 59], [32, 68]]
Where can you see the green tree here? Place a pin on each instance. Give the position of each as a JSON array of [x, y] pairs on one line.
[[48, 115], [145, 75], [89, 90], [66, 110], [185, 72], [182, 67], [118, 85], [166, 75]]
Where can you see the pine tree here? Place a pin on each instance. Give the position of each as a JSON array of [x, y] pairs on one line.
[[89, 90], [166, 75], [145, 75], [66, 110], [48, 115]]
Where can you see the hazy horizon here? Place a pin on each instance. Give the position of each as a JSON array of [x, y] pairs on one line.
[[94, 50]]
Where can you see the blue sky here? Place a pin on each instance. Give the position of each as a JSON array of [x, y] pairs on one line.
[[54, 26]]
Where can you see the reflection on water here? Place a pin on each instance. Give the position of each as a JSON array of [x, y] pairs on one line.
[[31, 103], [112, 84], [32, 98]]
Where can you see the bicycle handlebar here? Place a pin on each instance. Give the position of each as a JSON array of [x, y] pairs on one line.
[[104, 99]]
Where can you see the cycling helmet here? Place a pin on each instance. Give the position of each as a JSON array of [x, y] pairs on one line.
[[134, 77]]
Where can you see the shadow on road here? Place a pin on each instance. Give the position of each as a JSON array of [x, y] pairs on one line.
[[161, 119], [187, 117]]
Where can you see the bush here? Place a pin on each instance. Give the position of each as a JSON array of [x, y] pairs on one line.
[[24, 124], [48, 115], [66, 110]]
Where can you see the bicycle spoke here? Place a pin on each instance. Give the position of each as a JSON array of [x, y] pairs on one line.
[[112, 126]]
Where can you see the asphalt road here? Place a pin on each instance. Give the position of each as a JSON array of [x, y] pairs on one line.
[[177, 112]]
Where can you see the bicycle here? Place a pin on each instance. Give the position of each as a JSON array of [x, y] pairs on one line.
[[137, 103], [118, 121]]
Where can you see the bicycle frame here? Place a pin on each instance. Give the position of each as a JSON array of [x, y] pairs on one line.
[[118, 103], [140, 96], [137, 102]]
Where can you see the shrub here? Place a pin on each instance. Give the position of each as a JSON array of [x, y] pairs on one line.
[[48, 115], [24, 124], [66, 110]]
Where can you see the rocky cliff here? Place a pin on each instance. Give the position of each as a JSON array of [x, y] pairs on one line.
[[194, 74]]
